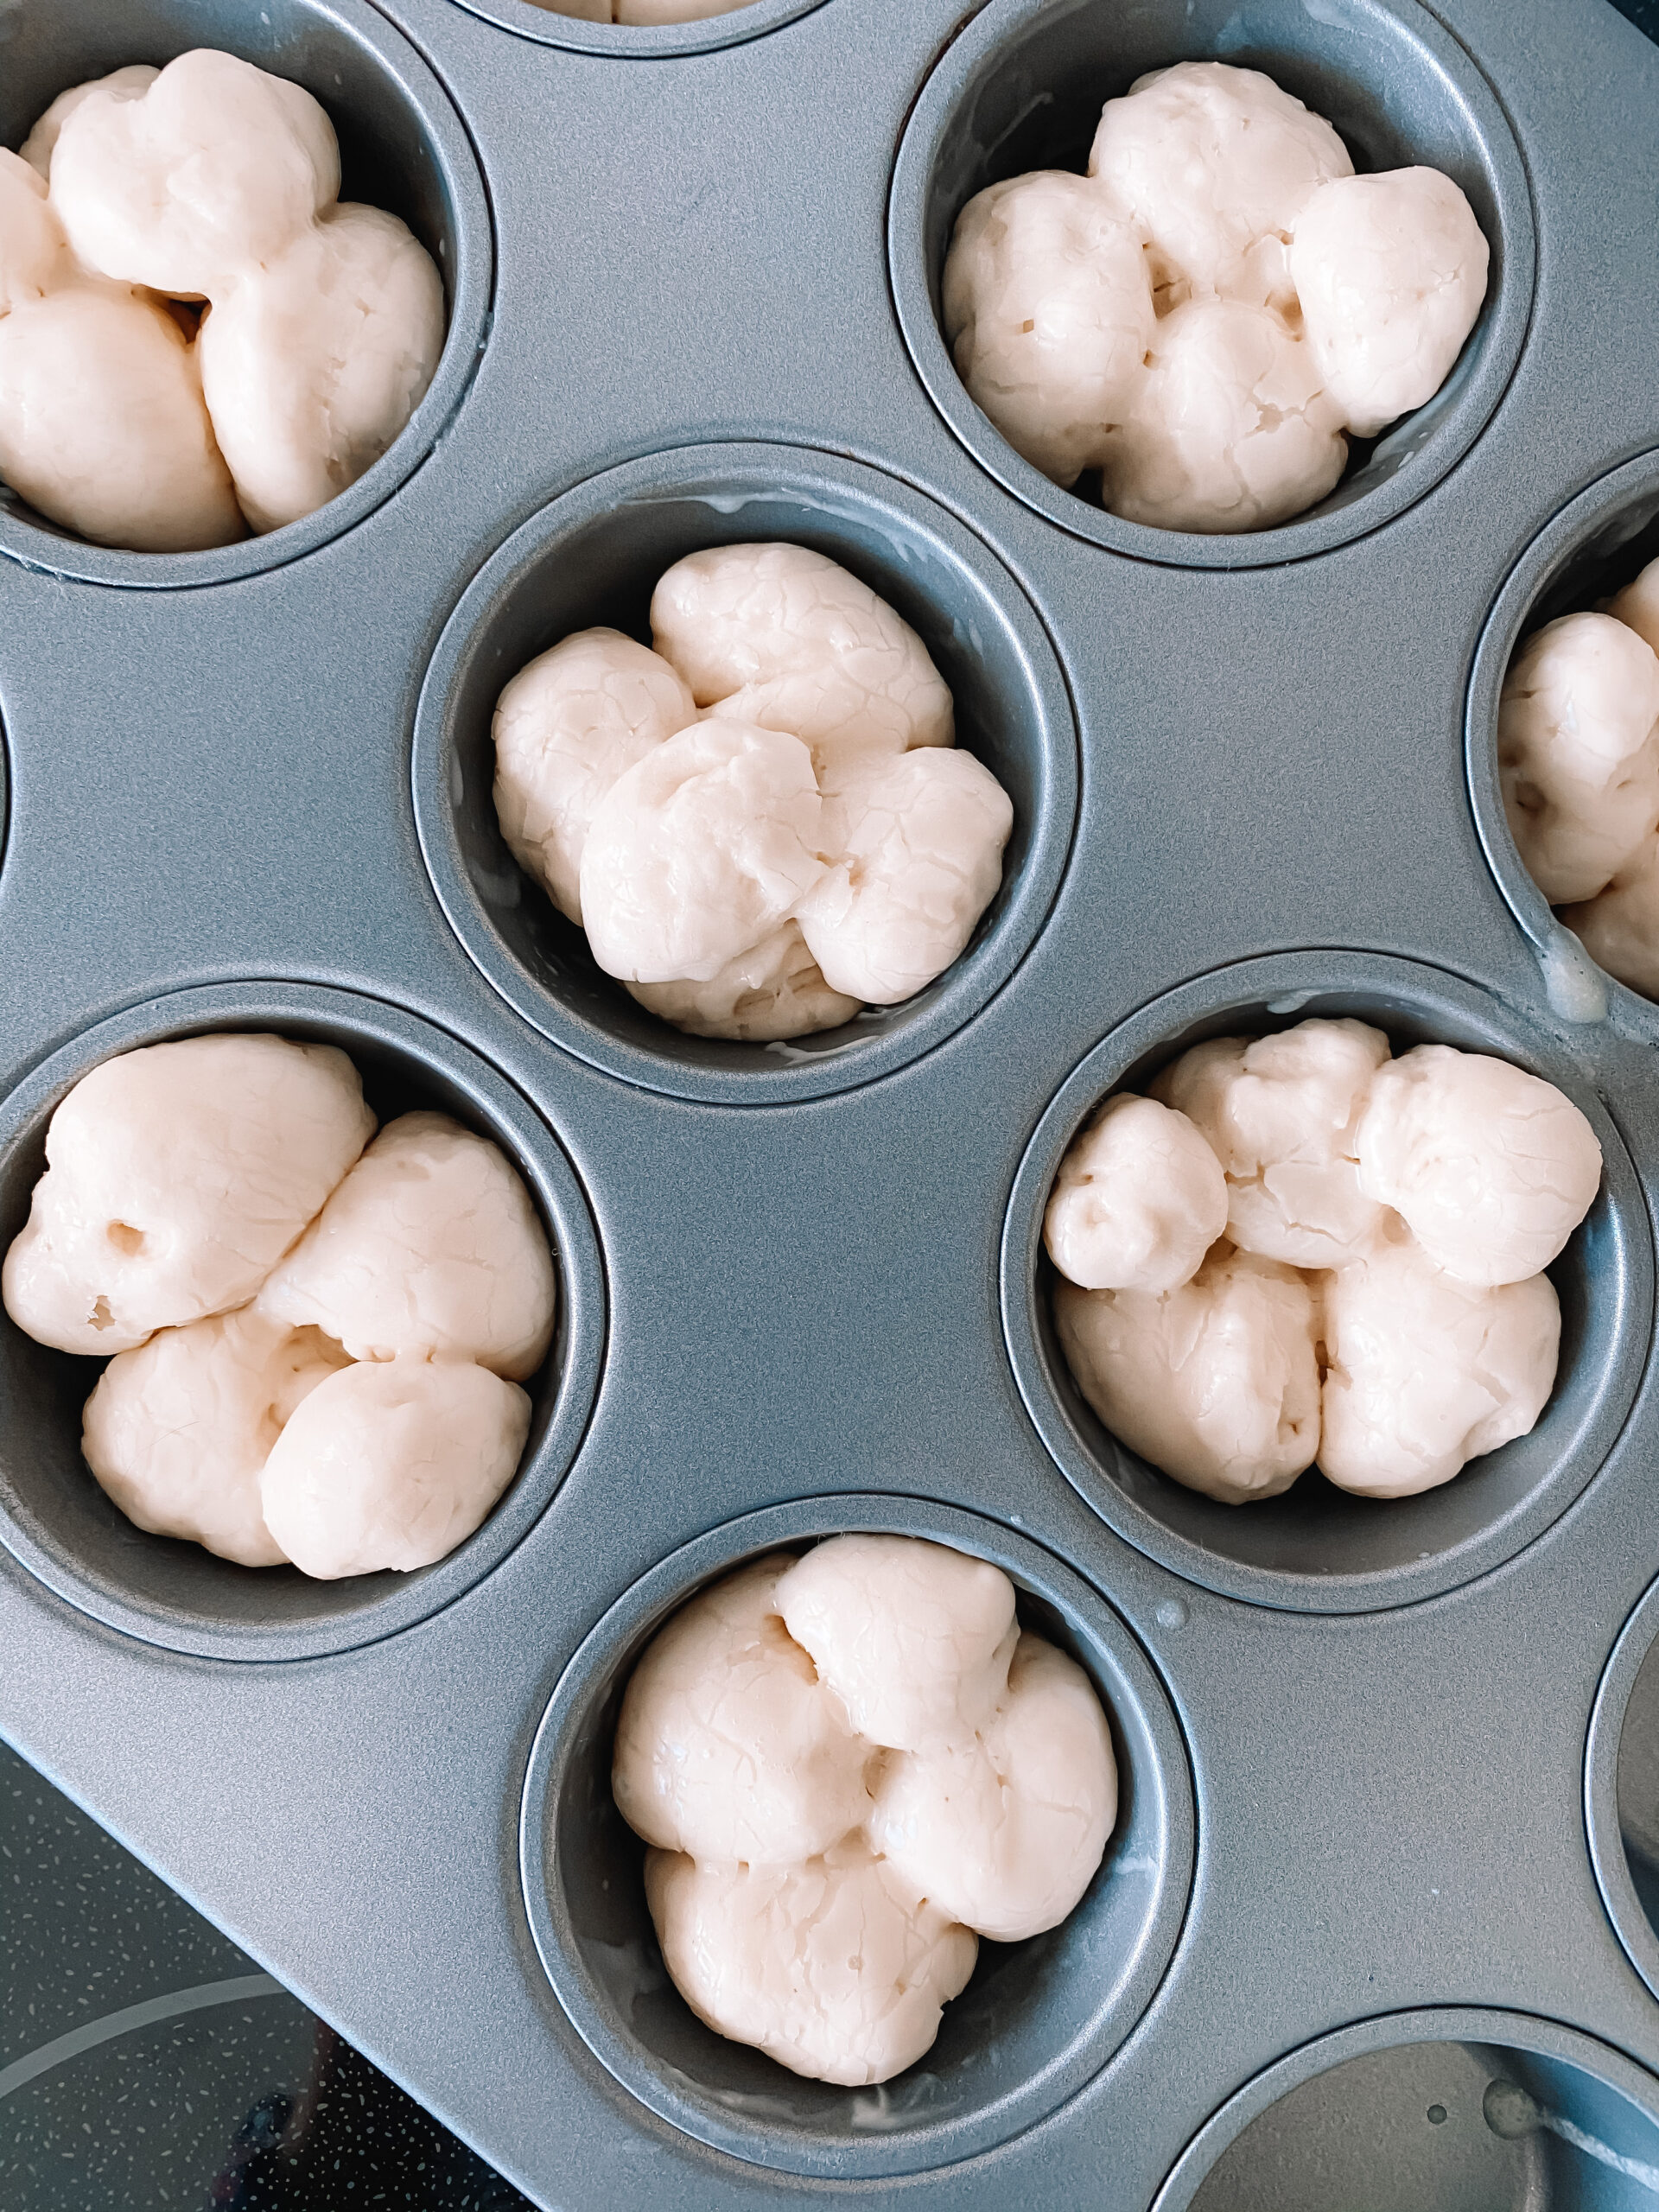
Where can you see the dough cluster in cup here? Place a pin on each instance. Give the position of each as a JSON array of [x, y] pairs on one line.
[[849, 1766], [198, 338], [1207, 315], [1299, 1249], [763, 821], [316, 1336], [1578, 753]]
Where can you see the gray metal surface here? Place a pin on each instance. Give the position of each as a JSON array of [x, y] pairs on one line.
[[810, 1279]]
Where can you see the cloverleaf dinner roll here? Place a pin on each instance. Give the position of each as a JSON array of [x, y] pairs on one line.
[[1372, 1297], [1210, 314], [209, 1214], [762, 821], [848, 1767], [1578, 758], [196, 337]]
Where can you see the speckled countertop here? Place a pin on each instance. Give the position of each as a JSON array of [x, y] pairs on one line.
[[146, 2063]]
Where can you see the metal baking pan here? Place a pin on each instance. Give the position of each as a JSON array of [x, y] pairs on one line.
[[1385, 1885]]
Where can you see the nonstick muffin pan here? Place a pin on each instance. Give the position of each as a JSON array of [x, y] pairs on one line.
[[1380, 1888]]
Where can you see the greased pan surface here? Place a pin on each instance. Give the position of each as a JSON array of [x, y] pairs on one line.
[[1248, 779]]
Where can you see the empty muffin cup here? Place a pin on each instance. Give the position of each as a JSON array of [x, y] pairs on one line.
[[1592, 549], [1037, 2020], [594, 557], [1622, 1788], [1438, 2111], [1315, 1547], [1021, 89], [403, 147], [56, 1520]]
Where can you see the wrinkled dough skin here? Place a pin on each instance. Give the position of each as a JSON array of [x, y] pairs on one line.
[[568, 726], [1390, 270], [313, 363], [782, 637], [185, 182], [1216, 1383], [1578, 753], [1281, 1116], [1230, 428], [914, 1639], [774, 990], [920, 840], [1048, 312], [390, 1465], [103, 428], [699, 850], [178, 1432], [177, 1176], [430, 1247], [832, 1968], [1619, 927], [34, 256], [1426, 1373], [124, 84], [1491, 1168], [727, 1746], [1004, 1831], [1214, 164], [1139, 1200]]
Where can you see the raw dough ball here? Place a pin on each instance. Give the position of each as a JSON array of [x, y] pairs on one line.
[[918, 842], [102, 425], [1230, 428], [565, 729], [1215, 164], [833, 1967], [1491, 1168], [727, 1746], [1637, 605], [1578, 753], [1216, 1384], [185, 182], [1391, 271], [1426, 1372], [782, 637], [776, 989], [34, 258], [1004, 1831], [913, 1638], [1048, 312], [1619, 927], [392, 1465], [1281, 1116], [430, 1247], [179, 1431], [699, 850], [312, 361], [1139, 1200], [177, 1177], [126, 84]]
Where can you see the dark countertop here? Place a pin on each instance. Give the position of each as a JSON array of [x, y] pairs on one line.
[[146, 2063]]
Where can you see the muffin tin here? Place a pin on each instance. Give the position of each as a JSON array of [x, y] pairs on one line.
[[1377, 1861]]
